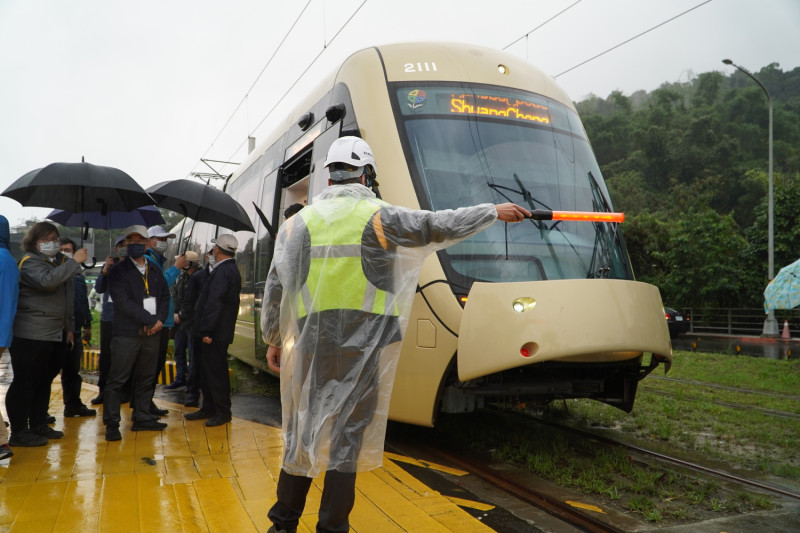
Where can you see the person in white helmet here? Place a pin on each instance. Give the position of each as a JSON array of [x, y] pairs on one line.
[[338, 296]]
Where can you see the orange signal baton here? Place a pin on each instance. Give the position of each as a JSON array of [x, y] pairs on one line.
[[580, 216]]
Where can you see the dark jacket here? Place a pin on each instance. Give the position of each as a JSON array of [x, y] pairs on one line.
[[101, 287], [46, 294], [126, 286], [83, 316], [189, 298], [218, 304]]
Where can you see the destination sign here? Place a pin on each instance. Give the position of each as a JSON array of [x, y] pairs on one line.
[[498, 106], [510, 104]]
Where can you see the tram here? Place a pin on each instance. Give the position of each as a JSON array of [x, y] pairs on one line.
[[535, 311]]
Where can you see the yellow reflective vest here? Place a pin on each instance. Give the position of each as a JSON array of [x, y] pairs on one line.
[[336, 279]]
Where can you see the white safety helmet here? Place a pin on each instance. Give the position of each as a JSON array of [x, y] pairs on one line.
[[352, 151]]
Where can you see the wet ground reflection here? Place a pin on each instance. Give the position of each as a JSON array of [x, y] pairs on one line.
[[738, 345]]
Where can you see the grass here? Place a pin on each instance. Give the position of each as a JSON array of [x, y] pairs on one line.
[[702, 418], [669, 413]]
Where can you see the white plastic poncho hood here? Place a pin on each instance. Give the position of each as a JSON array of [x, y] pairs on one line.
[[338, 365]]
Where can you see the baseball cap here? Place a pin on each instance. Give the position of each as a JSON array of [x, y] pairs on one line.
[[119, 240], [192, 256], [227, 243], [158, 231], [130, 230]]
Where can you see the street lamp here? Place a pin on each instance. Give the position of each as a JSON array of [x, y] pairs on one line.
[[770, 324]]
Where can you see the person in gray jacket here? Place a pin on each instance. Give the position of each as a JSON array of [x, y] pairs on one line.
[[42, 332]]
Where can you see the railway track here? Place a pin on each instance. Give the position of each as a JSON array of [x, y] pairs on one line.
[[556, 502], [540, 499], [764, 410], [692, 466]]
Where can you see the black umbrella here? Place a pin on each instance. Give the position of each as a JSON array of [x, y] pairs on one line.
[[201, 203], [79, 188]]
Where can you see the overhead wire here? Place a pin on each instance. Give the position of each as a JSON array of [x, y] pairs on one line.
[[252, 85], [300, 77], [542, 24], [632, 38]]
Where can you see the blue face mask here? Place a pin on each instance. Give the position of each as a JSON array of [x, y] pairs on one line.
[[136, 251]]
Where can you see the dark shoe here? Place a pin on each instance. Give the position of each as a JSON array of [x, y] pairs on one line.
[[5, 452], [177, 384], [50, 419], [197, 415], [97, 400], [26, 439], [148, 425], [47, 431], [75, 412], [217, 421], [192, 402], [154, 410], [112, 433], [274, 529]]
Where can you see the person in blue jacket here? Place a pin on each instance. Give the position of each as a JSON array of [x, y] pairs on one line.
[[157, 243], [9, 288]]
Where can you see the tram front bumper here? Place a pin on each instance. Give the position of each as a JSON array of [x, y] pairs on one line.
[[507, 325]]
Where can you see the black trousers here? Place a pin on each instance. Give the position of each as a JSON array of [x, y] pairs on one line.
[[135, 355], [181, 341], [35, 364], [71, 373], [338, 498], [106, 327], [193, 376], [214, 380]]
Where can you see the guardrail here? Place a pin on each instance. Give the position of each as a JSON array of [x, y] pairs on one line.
[[739, 321]]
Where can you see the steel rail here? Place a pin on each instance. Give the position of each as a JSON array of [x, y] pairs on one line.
[[539, 499], [674, 460]]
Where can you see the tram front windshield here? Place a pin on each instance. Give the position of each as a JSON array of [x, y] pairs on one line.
[[468, 146]]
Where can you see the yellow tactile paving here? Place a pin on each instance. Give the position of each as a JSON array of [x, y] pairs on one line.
[[190, 478]]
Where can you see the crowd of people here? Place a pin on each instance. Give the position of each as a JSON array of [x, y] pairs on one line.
[[45, 317], [336, 301]]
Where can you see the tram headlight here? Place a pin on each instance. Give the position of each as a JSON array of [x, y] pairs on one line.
[[525, 303]]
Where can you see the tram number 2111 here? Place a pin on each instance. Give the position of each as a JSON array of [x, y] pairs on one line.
[[420, 67]]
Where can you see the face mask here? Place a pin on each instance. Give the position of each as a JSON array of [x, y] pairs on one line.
[[161, 247], [212, 260], [50, 249], [136, 251], [122, 252], [67, 254]]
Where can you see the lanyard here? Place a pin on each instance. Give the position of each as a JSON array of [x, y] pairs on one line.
[[144, 278]]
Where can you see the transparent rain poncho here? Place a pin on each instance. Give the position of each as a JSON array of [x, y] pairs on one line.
[[338, 364]]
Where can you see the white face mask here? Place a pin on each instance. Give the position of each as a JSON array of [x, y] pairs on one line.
[[212, 260], [122, 252], [161, 246], [50, 249]]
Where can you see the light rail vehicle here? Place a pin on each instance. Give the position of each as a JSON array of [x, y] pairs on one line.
[[534, 311]]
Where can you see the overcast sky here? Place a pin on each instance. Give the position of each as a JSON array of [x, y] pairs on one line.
[[148, 86]]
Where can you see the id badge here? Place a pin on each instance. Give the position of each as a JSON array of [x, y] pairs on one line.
[[150, 305]]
